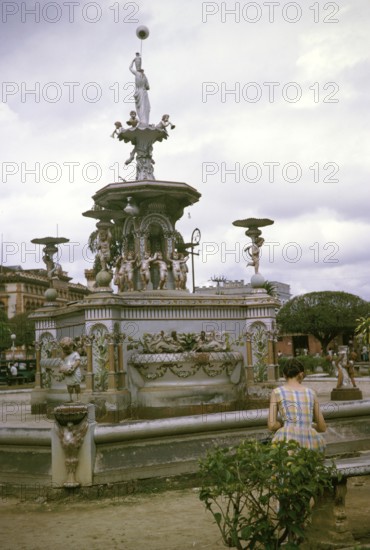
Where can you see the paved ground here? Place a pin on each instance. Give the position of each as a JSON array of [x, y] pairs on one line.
[[171, 520]]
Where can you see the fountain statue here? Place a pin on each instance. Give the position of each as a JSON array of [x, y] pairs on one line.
[[53, 268], [140, 132], [70, 367], [254, 250]]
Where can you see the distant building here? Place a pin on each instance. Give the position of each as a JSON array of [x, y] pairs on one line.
[[22, 290], [238, 288]]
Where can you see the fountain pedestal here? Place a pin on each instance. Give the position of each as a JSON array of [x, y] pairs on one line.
[[72, 444], [346, 394]]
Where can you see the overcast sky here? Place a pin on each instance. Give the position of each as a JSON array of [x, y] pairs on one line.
[[271, 106]]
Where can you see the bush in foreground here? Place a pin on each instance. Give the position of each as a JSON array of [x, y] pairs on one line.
[[260, 494]]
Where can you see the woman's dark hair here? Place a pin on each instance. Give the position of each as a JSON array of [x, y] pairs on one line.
[[292, 368]]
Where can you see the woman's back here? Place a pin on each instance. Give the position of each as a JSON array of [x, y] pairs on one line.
[[296, 408]]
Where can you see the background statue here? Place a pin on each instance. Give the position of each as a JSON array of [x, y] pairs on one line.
[[163, 270], [164, 122], [118, 129], [253, 251], [141, 92], [145, 269], [71, 437], [133, 121], [70, 367], [345, 371], [54, 270], [103, 247], [210, 341], [163, 342], [124, 274], [177, 270], [184, 270]]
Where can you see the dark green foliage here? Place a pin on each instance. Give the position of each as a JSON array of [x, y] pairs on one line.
[[259, 494], [24, 329], [325, 315], [270, 289], [5, 331], [362, 330]]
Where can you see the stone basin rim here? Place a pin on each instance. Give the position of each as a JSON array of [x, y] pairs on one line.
[[170, 357]]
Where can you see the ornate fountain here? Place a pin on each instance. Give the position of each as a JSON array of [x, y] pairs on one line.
[[151, 348], [145, 210]]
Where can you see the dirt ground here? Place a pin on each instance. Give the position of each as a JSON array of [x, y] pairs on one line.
[[169, 520]]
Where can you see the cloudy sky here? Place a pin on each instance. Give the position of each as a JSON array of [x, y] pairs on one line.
[[271, 106]]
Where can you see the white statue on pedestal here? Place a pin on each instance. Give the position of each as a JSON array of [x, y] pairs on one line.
[[141, 93]]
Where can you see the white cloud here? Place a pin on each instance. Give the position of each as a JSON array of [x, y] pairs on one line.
[[180, 55]]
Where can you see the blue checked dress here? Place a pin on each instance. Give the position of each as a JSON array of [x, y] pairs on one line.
[[296, 411]]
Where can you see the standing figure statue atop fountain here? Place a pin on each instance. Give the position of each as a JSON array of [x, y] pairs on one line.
[[141, 92], [140, 133]]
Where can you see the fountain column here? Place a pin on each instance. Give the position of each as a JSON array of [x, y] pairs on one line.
[[38, 365], [112, 371], [250, 377], [272, 368], [121, 372], [89, 365]]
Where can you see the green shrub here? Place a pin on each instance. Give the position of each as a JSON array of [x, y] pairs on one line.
[[309, 362], [259, 494]]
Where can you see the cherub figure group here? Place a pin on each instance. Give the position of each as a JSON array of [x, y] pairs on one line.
[[126, 264]]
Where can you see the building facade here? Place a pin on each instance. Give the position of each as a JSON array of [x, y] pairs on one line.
[[22, 290], [239, 287]]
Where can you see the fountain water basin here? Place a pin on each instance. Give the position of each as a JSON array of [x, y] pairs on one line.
[[176, 384]]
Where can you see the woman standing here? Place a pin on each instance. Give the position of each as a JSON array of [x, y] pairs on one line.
[[301, 417]]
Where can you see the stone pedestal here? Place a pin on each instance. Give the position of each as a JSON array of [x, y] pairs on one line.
[[346, 394], [330, 528], [73, 452]]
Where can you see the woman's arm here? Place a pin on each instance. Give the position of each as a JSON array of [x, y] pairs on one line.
[[320, 424], [272, 422]]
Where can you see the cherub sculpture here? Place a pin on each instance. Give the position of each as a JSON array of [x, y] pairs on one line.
[[165, 122], [70, 367]]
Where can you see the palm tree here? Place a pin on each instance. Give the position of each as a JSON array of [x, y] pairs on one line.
[[362, 330], [270, 289]]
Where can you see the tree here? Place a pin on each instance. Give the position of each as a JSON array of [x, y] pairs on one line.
[[362, 330], [5, 331], [24, 329], [325, 315], [270, 289]]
